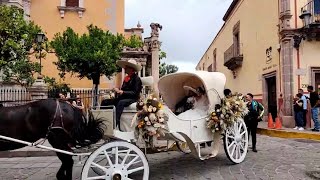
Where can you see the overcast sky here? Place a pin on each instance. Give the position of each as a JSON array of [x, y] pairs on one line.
[[189, 26]]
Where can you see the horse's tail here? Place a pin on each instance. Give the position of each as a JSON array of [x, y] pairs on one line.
[[86, 131]]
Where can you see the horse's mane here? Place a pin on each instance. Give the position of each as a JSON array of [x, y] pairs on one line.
[[87, 130]]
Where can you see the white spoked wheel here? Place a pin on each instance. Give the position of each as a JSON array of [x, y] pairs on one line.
[[117, 160], [236, 142]]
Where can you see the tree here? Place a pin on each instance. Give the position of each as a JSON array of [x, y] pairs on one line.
[[89, 55], [133, 42], [17, 37], [166, 68], [56, 87]]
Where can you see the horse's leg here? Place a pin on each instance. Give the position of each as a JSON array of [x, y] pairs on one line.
[[57, 140], [65, 171], [61, 172]]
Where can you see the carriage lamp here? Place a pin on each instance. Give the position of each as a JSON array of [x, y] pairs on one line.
[[41, 37], [306, 17]]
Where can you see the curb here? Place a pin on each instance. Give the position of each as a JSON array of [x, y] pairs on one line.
[[40, 153], [282, 133]]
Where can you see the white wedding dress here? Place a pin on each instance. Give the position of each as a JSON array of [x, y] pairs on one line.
[[200, 109]]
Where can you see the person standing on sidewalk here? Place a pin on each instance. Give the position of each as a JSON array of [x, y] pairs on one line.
[[252, 118], [298, 112], [304, 106], [314, 101]]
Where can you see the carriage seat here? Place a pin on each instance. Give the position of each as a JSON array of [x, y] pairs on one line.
[[131, 108], [146, 81]]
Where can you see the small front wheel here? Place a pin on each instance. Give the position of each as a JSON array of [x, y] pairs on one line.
[[183, 147], [116, 160], [236, 141]]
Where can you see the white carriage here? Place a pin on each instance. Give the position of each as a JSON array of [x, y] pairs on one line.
[[121, 159]]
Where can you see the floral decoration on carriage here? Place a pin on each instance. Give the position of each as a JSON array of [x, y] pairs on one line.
[[230, 110], [151, 119]]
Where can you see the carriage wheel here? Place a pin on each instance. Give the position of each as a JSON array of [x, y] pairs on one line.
[[236, 141], [121, 160], [183, 147]]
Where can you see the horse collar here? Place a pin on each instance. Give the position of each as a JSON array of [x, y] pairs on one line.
[[58, 111]]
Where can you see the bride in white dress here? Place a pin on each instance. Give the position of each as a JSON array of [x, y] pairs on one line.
[[200, 107]]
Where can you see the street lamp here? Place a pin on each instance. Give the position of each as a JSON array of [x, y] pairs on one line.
[[306, 17], [41, 37]]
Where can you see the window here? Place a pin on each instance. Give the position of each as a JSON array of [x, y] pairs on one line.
[[236, 43], [214, 64], [210, 68], [72, 3], [236, 39]]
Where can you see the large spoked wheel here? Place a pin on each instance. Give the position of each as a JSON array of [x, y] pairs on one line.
[[236, 141], [116, 160]]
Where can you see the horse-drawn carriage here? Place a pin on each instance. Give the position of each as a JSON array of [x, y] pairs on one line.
[[123, 156]]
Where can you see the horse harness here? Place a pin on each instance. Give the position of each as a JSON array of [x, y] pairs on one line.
[[52, 125]]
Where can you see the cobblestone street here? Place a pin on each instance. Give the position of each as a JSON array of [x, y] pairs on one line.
[[276, 159]]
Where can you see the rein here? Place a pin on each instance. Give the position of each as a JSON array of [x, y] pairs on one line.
[[58, 111]]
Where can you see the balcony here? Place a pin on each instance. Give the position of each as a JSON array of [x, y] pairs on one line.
[[310, 15], [233, 57]]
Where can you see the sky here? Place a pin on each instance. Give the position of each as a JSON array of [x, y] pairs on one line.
[[188, 26]]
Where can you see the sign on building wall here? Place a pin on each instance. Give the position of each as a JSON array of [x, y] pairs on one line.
[[268, 55]]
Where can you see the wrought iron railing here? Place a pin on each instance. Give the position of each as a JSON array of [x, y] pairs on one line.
[[235, 50], [312, 7]]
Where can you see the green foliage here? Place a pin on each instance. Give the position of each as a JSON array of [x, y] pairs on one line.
[[16, 40], [133, 42], [90, 55], [162, 55], [166, 68], [55, 88]]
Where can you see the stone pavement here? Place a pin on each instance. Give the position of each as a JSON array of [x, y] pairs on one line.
[[276, 159]]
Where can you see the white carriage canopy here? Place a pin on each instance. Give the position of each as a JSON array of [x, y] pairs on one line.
[[171, 86]]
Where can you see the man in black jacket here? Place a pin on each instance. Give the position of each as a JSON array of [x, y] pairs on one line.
[[130, 90], [256, 111]]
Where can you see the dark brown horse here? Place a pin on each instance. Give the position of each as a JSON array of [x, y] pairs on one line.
[[62, 124]]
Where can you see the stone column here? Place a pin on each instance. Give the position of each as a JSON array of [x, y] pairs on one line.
[[155, 48], [39, 89], [287, 75], [155, 65], [144, 71]]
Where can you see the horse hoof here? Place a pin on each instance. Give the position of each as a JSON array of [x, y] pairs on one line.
[[60, 176]]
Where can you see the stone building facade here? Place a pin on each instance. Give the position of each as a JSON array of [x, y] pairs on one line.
[[269, 48]]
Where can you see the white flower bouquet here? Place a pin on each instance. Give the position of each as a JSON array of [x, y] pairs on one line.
[[225, 114], [152, 120]]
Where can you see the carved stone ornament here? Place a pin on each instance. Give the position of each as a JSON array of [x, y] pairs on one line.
[[155, 44], [269, 55], [155, 29], [132, 49]]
